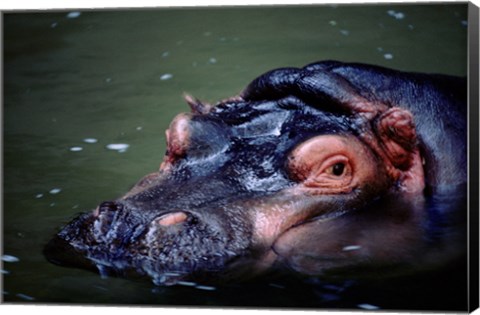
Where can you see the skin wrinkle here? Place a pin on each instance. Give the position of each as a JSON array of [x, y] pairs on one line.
[[267, 230], [311, 155]]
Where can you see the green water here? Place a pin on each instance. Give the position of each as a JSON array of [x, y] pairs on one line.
[[119, 76]]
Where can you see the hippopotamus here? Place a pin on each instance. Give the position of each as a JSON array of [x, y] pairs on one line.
[[310, 170]]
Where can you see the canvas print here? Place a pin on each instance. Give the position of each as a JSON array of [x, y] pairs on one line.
[[307, 157]]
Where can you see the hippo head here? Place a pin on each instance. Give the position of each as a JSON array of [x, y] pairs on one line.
[[240, 176]]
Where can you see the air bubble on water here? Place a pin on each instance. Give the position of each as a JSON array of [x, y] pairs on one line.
[[205, 287], [464, 23], [207, 33], [367, 306], [165, 54], [410, 27], [351, 247], [76, 149], [332, 22], [10, 258], [119, 147], [166, 76], [396, 15], [380, 49], [344, 32], [38, 196], [55, 191], [75, 207], [90, 140], [388, 56], [73, 15], [139, 128], [53, 25], [212, 60], [52, 204], [108, 80]]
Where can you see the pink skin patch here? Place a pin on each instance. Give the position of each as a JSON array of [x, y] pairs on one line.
[[172, 218], [96, 212], [398, 140], [332, 164], [178, 140]]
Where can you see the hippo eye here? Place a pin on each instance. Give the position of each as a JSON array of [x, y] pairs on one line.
[[338, 169], [331, 164], [337, 166]]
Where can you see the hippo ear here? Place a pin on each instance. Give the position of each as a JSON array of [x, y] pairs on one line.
[[395, 130], [197, 106]]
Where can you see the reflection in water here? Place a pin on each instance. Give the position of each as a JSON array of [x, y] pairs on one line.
[[392, 237], [116, 77]]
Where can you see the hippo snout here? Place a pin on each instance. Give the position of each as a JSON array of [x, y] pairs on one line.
[[125, 234], [60, 251]]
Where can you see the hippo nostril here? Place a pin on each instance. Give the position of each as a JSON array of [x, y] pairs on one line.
[[172, 218], [107, 206]]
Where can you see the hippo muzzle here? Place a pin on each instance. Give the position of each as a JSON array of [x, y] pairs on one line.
[[118, 238], [298, 160]]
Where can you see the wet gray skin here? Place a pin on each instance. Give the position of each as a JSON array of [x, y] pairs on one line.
[[232, 172], [236, 160]]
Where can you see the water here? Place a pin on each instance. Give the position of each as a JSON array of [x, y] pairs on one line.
[[88, 95]]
